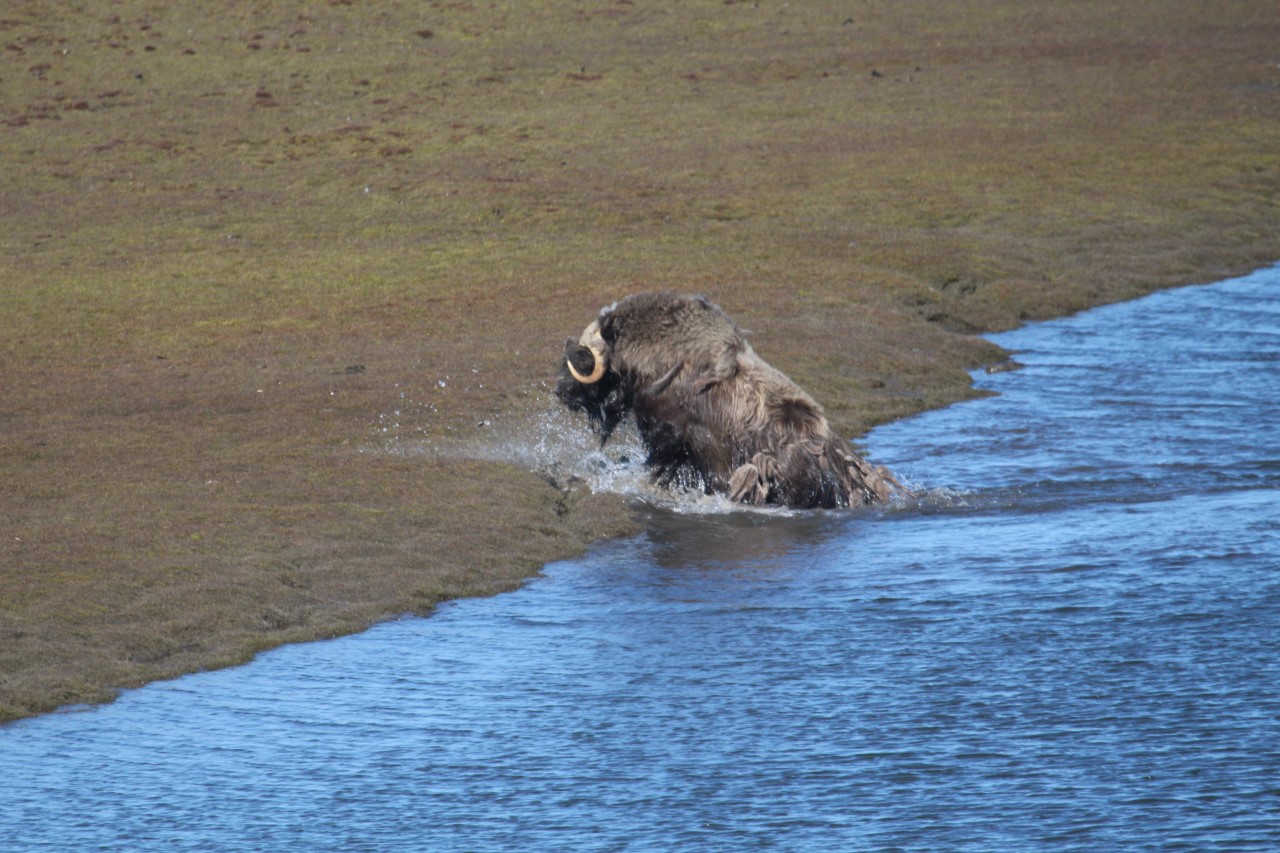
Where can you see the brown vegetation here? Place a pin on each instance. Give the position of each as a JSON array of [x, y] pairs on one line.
[[236, 238]]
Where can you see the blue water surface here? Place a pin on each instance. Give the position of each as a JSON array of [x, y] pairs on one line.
[[1071, 641]]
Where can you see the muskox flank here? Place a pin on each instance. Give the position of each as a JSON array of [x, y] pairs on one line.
[[711, 413]]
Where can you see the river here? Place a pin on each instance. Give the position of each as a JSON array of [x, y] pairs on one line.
[[1070, 641]]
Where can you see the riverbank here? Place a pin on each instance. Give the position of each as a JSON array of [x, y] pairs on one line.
[[271, 279]]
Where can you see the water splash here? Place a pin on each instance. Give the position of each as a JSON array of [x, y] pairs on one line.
[[558, 445], [553, 443]]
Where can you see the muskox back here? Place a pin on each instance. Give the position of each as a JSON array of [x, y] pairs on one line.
[[711, 412]]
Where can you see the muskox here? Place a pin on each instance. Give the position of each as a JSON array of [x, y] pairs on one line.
[[712, 414]]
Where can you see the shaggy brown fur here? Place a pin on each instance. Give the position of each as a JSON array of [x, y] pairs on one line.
[[712, 413]]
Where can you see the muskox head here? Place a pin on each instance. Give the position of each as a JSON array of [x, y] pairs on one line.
[[629, 359], [588, 384]]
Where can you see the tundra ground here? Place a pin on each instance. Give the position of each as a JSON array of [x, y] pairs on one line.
[[267, 272]]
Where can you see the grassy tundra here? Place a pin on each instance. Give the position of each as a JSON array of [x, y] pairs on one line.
[[239, 241]]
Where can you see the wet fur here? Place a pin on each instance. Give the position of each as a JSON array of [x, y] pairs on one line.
[[711, 413]]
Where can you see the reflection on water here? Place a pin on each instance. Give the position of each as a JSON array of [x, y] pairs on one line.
[[751, 538], [1071, 642]]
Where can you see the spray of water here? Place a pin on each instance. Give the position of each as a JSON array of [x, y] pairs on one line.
[[558, 445], [543, 437], [548, 440]]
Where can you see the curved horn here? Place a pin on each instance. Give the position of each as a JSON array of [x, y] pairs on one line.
[[592, 340]]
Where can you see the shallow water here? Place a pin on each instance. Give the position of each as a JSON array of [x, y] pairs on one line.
[[1070, 642]]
